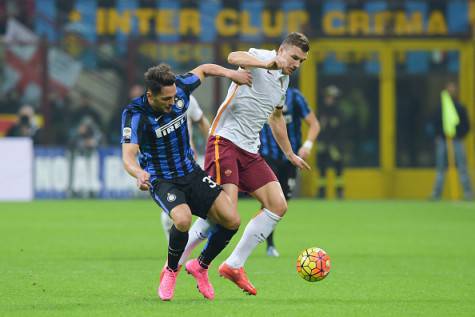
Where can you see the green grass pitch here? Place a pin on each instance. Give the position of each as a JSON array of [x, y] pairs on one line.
[[103, 258]]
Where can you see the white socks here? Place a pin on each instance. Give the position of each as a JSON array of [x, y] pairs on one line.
[[198, 233], [167, 224], [257, 231]]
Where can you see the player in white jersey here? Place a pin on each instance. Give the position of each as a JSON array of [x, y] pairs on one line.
[[194, 115], [232, 154]]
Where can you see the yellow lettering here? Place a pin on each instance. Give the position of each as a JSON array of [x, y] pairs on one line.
[[295, 20], [101, 22], [267, 27], [329, 21], [246, 26], [358, 22], [149, 50], [381, 22], [190, 22], [436, 24], [406, 26], [143, 16], [227, 22], [164, 22], [118, 21], [182, 53]]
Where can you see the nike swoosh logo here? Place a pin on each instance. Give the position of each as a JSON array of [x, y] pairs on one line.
[[158, 118]]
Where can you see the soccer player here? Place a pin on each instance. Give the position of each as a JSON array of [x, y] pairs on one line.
[[194, 115], [232, 153], [295, 110], [154, 126]]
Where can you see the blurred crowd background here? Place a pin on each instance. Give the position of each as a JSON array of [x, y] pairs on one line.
[[67, 68]]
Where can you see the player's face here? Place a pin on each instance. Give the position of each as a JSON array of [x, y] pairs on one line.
[[294, 56], [164, 100]]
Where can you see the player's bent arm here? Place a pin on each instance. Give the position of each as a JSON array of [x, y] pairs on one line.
[[129, 159], [279, 131], [244, 59], [205, 70]]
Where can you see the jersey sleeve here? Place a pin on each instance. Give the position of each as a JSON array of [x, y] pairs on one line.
[[131, 127], [188, 82], [301, 104], [194, 111], [259, 54]]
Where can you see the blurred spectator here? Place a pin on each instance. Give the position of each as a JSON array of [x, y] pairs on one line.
[[86, 138], [329, 148], [25, 125], [86, 110], [462, 129]]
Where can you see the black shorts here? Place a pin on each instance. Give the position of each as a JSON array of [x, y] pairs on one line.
[[286, 174], [197, 190]]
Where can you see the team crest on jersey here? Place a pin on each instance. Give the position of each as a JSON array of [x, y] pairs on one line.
[[171, 197], [180, 103], [127, 133]]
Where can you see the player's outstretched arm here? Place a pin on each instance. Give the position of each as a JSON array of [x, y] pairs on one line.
[[129, 158], [246, 60], [240, 77], [279, 131]]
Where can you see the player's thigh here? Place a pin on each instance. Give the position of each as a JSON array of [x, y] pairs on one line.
[[221, 161], [172, 200], [272, 197], [224, 212], [201, 193]]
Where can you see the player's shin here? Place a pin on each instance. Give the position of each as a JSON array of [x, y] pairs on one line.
[[218, 240], [176, 246], [198, 233], [257, 230]]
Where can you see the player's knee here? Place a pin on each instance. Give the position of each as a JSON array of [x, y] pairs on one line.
[[233, 222], [279, 207], [182, 221]]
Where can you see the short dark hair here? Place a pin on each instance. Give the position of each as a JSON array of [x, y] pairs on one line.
[[299, 40], [158, 76]]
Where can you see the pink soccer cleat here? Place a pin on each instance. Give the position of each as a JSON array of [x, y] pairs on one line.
[[167, 285], [238, 277], [165, 268], [200, 274]]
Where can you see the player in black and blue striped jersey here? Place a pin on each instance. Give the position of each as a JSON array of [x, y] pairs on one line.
[[295, 110], [154, 127]]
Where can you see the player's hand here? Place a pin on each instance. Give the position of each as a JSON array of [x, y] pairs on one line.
[[276, 63], [241, 77], [304, 152], [297, 161], [143, 181]]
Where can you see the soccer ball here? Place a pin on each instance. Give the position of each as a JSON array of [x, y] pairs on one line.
[[313, 264]]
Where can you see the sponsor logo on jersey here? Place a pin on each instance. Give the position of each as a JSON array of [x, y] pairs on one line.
[[173, 125], [228, 172]]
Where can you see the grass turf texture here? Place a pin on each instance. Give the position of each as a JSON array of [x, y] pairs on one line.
[[103, 258]]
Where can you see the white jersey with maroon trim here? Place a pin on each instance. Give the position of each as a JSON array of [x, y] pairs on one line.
[[246, 109]]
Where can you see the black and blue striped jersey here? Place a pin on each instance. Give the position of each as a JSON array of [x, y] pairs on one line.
[[163, 139], [295, 109]]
